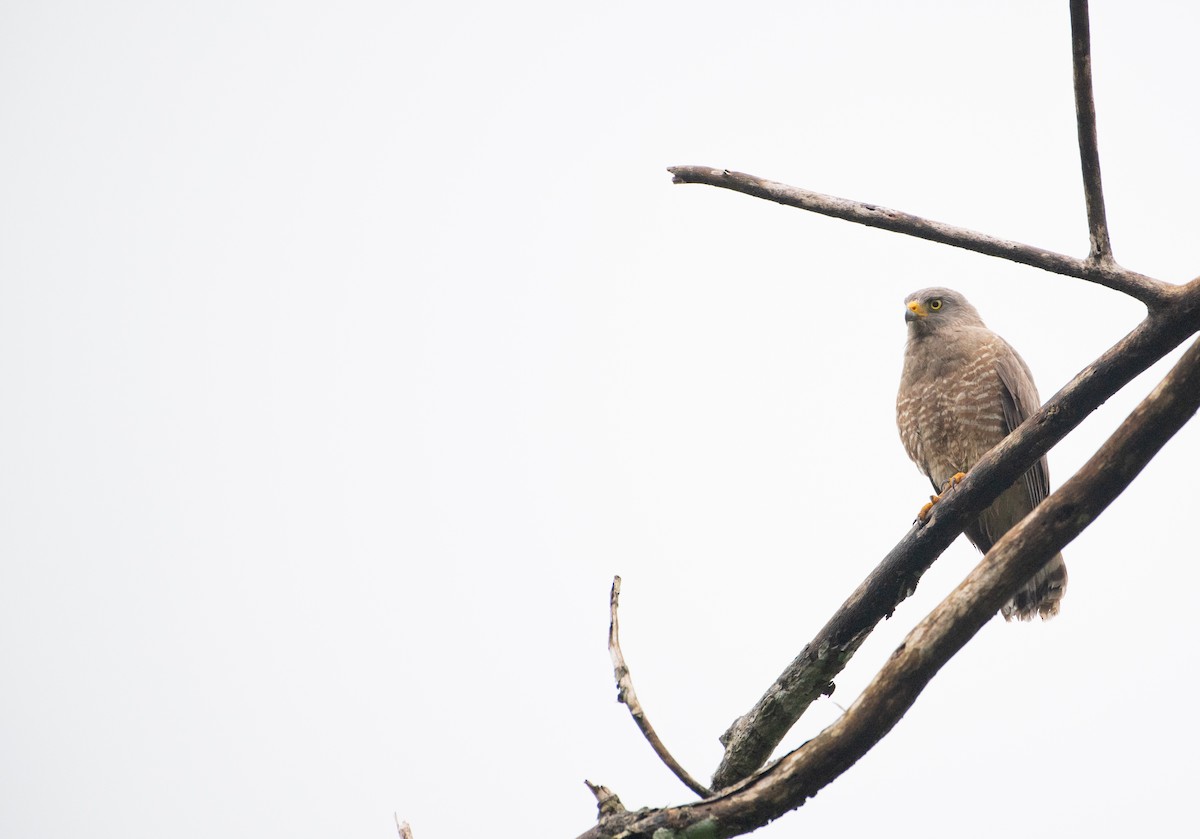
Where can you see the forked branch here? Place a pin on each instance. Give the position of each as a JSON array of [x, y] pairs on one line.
[[752, 737], [750, 740], [750, 800], [1052, 525]]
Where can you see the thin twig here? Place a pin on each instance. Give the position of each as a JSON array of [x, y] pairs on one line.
[[753, 736], [799, 775], [1150, 291], [626, 694], [1085, 119]]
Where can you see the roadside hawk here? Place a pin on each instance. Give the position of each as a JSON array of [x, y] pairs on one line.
[[962, 391]]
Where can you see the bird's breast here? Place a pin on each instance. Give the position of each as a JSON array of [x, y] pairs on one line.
[[950, 413]]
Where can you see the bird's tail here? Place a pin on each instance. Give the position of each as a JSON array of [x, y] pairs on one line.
[[1041, 595]]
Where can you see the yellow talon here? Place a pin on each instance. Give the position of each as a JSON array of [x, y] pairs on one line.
[[954, 481], [924, 513]]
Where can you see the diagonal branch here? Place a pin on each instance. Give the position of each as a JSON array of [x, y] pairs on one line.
[[1060, 518], [1150, 291], [752, 737], [1085, 119], [626, 694]]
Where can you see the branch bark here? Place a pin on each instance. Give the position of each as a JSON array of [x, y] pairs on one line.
[[1018, 555], [751, 738], [1150, 291]]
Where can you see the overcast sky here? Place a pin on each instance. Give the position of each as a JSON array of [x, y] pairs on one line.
[[347, 350]]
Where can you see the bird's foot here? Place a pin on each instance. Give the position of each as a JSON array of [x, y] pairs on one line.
[[955, 480], [923, 514]]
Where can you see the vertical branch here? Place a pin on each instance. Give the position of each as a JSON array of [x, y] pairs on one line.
[[1085, 118]]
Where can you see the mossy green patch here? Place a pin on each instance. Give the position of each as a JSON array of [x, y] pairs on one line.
[[706, 829]]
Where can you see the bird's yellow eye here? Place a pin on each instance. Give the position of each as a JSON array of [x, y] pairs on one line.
[[935, 304]]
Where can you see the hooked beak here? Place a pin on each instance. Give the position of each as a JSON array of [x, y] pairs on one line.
[[915, 310]]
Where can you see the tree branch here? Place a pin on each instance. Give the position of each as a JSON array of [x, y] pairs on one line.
[[626, 694], [607, 802], [1085, 119], [1017, 556], [752, 737], [1149, 291]]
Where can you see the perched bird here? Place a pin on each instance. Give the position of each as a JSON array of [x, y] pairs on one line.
[[963, 390]]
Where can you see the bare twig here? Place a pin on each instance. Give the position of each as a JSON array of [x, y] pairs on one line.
[[1150, 291], [402, 828], [752, 737], [801, 774], [626, 694], [1085, 119]]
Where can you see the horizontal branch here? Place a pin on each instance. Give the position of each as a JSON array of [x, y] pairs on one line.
[[752, 738], [1106, 273], [1018, 555]]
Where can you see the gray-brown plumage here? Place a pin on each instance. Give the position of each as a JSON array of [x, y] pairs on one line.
[[963, 390]]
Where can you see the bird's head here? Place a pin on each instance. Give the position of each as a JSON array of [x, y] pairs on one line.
[[933, 310]]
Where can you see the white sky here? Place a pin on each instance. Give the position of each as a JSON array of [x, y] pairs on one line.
[[348, 350]]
